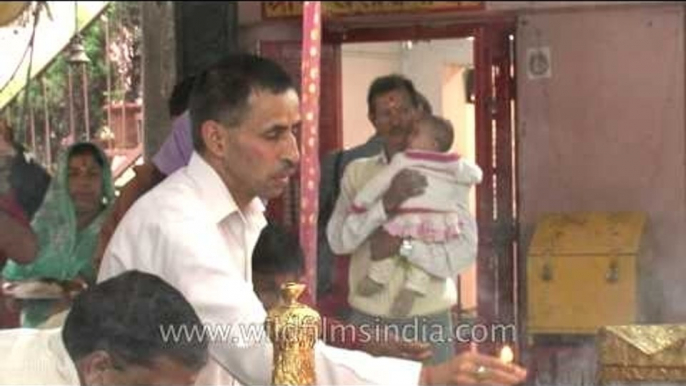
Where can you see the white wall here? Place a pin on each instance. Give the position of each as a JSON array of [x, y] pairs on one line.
[[424, 64]]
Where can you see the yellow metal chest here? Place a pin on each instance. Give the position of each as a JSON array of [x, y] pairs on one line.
[[582, 272]]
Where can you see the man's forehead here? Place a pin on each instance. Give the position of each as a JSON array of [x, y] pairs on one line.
[[394, 98]]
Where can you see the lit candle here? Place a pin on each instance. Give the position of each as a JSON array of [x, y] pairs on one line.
[[506, 355]]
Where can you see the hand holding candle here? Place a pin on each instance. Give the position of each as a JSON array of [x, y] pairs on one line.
[[472, 368]]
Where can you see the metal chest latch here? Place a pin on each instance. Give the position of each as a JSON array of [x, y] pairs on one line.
[[612, 274]]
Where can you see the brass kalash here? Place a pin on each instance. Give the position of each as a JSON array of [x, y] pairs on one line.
[[293, 329]]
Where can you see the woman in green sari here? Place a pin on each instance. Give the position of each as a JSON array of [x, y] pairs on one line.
[[67, 227]]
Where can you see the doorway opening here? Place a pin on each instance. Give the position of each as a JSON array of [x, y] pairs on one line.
[[466, 71], [443, 71]]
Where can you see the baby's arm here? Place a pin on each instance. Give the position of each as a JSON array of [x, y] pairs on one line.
[[375, 188], [467, 172]]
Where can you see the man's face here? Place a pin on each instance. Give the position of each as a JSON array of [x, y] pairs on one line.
[[262, 153], [393, 117], [102, 371]]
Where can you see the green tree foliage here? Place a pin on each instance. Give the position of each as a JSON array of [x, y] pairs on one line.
[[125, 75]]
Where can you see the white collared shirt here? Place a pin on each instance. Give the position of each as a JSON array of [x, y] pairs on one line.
[[35, 357], [189, 231]]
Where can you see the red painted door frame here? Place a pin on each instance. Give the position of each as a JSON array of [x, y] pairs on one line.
[[496, 195], [495, 151]]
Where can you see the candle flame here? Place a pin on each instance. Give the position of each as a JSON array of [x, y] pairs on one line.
[[506, 355]]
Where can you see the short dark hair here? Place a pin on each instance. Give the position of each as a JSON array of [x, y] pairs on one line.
[[388, 83], [125, 315], [277, 251], [221, 92], [180, 96], [88, 148], [441, 129]]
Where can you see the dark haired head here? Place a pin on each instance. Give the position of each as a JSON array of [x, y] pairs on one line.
[[83, 148], [277, 252], [221, 93], [385, 84], [180, 96], [125, 317]]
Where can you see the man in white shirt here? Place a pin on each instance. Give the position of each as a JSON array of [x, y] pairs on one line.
[[198, 228], [112, 336]]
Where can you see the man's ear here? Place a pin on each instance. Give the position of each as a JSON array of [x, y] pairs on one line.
[[213, 137], [93, 366]]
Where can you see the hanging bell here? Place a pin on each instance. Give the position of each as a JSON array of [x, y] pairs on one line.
[[77, 54]]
